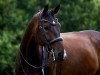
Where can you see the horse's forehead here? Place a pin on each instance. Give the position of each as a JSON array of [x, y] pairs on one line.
[[38, 16], [48, 16]]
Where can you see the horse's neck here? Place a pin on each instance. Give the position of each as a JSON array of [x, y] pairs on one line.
[[32, 52]]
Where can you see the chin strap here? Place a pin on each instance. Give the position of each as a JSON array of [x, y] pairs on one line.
[[53, 55]]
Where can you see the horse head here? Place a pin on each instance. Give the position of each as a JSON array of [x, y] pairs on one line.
[[48, 32]]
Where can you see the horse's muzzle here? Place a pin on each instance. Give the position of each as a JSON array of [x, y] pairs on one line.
[[60, 56]]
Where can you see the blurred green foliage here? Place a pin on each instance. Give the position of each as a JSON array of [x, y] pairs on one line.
[[74, 15]]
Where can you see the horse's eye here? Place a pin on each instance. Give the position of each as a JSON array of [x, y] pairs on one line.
[[46, 28]]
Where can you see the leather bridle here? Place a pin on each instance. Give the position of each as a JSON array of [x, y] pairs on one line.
[[48, 43]]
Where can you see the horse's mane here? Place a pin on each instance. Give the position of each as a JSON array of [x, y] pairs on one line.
[[29, 41], [30, 32]]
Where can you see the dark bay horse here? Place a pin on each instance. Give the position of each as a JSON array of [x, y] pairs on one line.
[[44, 52]]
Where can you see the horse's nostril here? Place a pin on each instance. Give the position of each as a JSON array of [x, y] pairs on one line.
[[60, 56]]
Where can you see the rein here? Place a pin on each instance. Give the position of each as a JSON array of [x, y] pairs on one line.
[[33, 66]]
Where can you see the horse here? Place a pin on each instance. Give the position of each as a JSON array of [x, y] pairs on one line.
[[46, 51], [41, 44]]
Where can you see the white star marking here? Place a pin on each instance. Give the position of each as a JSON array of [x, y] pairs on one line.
[[53, 22]]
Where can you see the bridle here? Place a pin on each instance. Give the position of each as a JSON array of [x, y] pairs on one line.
[[41, 30], [47, 45]]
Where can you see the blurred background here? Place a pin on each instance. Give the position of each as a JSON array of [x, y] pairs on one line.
[[74, 15]]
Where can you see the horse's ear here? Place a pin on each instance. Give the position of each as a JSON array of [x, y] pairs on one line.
[[44, 13], [55, 10]]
